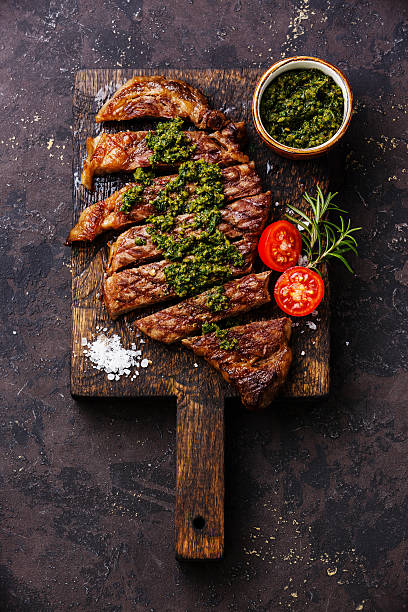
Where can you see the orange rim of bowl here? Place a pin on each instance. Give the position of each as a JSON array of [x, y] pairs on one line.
[[279, 147]]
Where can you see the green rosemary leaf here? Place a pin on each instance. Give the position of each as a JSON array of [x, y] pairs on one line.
[[323, 238], [349, 268]]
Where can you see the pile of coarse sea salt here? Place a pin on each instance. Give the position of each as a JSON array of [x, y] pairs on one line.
[[108, 354]]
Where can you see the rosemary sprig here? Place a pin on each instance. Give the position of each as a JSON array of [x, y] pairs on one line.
[[323, 238]]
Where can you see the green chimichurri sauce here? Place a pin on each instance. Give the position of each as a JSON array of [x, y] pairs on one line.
[[200, 258], [217, 301], [227, 343], [302, 108], [168, 143], [212, 256], [134, 194]]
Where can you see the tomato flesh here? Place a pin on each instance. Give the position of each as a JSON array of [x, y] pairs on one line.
[[299, 291], [280, 245]]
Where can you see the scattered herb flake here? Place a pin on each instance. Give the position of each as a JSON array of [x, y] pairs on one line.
[[217, 300], [143, 179], [227, 343]]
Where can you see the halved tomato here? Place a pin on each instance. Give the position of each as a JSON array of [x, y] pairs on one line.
[[280, 245], [299, 291]]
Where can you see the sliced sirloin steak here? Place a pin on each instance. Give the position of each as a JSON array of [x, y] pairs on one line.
[[242, 218], [186, 318], [145, 285], [157, 96], [238, 181], [126, 151], [259, 363]]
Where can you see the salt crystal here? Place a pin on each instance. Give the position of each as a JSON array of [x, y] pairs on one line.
[[108, 354], [303, 353], [195, 365], [84, 342], [142, 341], [311, 325], [14, 332], [347, 343], [144, 363]]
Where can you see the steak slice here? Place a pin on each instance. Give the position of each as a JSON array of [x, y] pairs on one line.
[[245, 217], [156, 96], [186, 318], [257, 366], [126, 151], [145, 285], [238, 181]]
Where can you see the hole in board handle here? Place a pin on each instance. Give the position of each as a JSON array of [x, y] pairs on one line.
[[198, 522]]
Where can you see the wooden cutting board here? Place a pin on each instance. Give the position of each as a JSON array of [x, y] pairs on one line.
[[173, 371]]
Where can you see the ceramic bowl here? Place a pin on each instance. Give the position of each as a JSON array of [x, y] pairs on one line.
[[295, 63]]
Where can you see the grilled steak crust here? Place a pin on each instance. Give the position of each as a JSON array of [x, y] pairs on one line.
[[260, 363], [126, 151], [105, 215], [186, 318], [156, 96], [245, 217], [137, 287], [239, 181]]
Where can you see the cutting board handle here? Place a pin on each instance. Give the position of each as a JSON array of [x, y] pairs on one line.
[[199, 512]]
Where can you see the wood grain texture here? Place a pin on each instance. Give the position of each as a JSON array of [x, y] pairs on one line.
[[231, 91], [199, 511], [200, 391]]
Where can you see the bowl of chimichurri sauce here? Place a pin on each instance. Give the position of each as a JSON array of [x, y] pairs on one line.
[[302, 106]]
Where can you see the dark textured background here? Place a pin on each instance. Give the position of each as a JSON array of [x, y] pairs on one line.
[[317, 509]]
